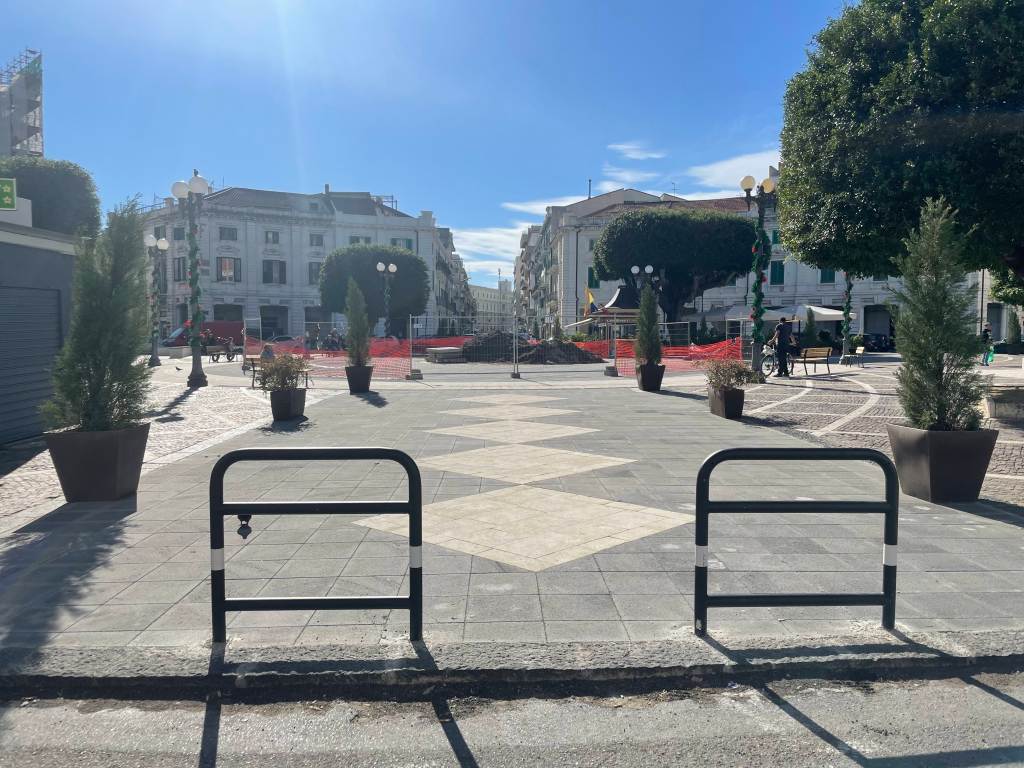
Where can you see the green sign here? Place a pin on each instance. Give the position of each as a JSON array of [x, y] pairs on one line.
[[8, 195]]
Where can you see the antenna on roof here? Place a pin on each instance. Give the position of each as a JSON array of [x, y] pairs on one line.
[[673, 187], [589, 181]]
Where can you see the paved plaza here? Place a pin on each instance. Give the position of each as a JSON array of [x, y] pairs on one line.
[[555, 511]]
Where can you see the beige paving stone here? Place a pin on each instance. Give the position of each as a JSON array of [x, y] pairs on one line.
[[520, 463], [509, 412], [537, 528], [509, 399], [514, 431]]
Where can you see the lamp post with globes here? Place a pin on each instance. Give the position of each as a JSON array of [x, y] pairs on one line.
[[157, 248], [762, 249], [387, 272], [190, 203]]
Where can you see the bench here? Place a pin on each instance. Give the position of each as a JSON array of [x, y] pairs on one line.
[[856, 357], [815, 355]]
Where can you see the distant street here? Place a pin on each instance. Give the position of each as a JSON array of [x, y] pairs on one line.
[[975, 721]]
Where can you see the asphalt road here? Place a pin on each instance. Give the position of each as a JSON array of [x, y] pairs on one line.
[[976, 721]]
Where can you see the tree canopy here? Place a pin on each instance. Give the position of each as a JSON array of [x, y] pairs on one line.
[[409, 286], [691, 250], [902, 100], [63, 194]]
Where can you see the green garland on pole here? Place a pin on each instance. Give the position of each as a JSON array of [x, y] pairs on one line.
[[847, 305], [757, 311], [193, 281]]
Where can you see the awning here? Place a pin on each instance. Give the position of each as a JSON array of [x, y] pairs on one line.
[[799, 311]]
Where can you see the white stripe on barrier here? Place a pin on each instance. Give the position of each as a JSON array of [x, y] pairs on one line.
[[217, 559], [889, 554], [702, 556], [415, 557]]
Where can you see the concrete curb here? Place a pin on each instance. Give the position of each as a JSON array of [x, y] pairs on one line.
[[401, 671]]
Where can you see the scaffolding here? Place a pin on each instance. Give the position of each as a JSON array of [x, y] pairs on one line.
[[21, 105]]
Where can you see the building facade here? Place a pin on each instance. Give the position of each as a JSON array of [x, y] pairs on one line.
[[493, 305], [261, 253], [555, 266], [21, 105]]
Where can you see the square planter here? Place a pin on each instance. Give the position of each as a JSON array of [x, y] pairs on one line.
[[98, 466], [358, 378], [727, 403], [288, 403], [941, 466], [649, 376]]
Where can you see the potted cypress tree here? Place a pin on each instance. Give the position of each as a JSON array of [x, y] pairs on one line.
[[943, 455], [357, 340], [100, 382], [280, 377], [725, 377], [649, 373]]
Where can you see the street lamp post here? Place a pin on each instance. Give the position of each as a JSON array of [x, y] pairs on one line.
[[764, 199], [190, 203], [157, 248], [387, 272]]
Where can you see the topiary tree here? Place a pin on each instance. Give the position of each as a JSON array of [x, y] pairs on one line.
[[409, 289], [937, 384], [690, 250], [357, 334], [902, 100], [810, 334], [100, 382], [648, 340], [1013, 328], [63, 194]]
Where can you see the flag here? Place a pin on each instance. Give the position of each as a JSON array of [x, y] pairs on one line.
[[591, 304]]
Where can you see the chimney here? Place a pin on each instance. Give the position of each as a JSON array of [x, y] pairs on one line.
[[327, 189]]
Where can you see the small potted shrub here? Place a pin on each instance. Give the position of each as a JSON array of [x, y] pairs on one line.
[[357, 341], [943, 455], [280, 377], [100, 383], [649, 370], [725, 377]]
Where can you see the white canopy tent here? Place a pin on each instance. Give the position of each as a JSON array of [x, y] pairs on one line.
[[798, 311]]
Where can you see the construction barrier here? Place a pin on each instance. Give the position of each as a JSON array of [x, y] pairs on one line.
[[679, 359]]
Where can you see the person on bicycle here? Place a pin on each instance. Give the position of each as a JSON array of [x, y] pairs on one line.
[[783, 340]]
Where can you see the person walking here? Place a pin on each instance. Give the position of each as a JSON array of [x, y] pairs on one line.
[[986, 340], [783, 340]]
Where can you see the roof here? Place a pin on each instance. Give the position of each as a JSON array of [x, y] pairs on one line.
[[724, 204], [351, 203]]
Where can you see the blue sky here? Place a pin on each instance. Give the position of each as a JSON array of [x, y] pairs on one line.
[[482, 112]]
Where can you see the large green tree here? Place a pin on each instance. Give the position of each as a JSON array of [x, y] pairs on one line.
[[63, 194], [902, 100], [691, 250], [409, 287]]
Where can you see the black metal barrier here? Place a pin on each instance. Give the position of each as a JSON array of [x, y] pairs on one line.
[[705, 507], [219, 509]]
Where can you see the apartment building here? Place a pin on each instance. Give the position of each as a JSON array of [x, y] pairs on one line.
[[261, 252], [493, 305]]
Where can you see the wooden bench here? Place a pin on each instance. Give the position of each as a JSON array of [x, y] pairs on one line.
[[815, 355]]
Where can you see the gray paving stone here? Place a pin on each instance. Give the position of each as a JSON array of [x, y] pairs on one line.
[[120, 617], [584, 631], [503, 584], [640, 583], [578, 608], [376, 566], [503, 608], [298, 587], [505, 632], [653, 607], [310, 568], [571, 583], [154, 592]]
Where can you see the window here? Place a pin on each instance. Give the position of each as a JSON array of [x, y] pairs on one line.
[[229, 270], [272, 237], [316, 240], [274, 272], [159, 232], [358, 240], [775, 237], [314, 272], [592, 281], [180, 275], [828, 276], [229, 233], [590, 245], [778, 273], [179, 233], [402, 242]]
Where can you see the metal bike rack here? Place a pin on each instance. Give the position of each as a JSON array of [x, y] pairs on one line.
[[219, 509], [705, 507]]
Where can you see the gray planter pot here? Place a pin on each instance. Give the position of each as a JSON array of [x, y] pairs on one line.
[[941, 466], [358, 378], [288, 403], [727, 403], [649, 376], [98, 466]]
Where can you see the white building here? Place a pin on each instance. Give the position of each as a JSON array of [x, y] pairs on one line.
[[493, 305], [261, 252]]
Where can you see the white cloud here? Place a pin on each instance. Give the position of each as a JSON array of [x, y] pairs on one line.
[[628, 176], [726, 174], [539, 207], [636, 150], [486, 250], [607, 185], [708, 194]]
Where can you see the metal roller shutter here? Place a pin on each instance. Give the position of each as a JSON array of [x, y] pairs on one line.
[[30, 338]]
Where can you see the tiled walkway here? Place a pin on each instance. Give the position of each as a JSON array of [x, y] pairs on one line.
[[572, 521]]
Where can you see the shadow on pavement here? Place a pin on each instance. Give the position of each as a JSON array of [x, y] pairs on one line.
[[375, 399], [170, 411], [1000, 511], [298, 424], [443, 713], [211, 717]]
